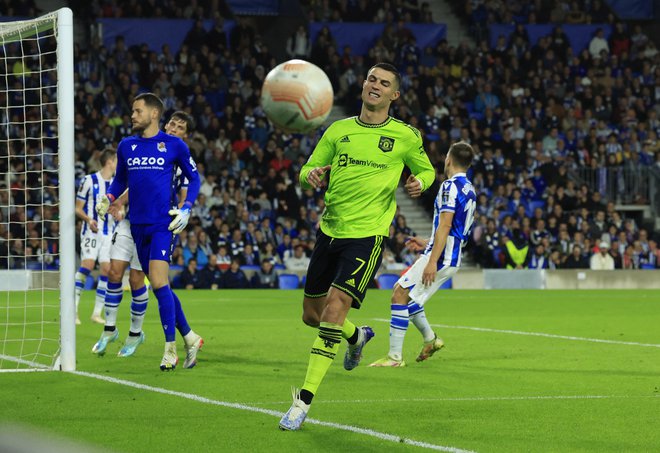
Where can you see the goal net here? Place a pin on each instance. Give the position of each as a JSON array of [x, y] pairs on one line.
[[37, 242]]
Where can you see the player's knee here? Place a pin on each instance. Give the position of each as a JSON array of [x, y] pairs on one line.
[[115, 275], [399, 296], [136, 279], [336, 307]]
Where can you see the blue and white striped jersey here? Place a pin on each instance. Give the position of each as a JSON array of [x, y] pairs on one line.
[[90, 188], [455, 195]]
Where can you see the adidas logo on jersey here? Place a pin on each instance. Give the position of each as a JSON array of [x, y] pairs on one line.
[[350, 281], [345, 139]]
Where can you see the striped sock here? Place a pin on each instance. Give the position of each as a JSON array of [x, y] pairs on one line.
[[138, 309], [398, 327], [113, 295], [99, 302], [167, 313], [323, 352], [81, 277], [418, 318]]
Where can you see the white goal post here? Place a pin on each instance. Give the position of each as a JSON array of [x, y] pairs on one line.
[[37, 194]]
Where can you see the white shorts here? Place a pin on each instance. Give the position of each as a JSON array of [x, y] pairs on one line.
[[123, 246], [413, 279], [95, 247]]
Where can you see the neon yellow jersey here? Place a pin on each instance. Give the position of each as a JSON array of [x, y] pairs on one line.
[[367, 161]]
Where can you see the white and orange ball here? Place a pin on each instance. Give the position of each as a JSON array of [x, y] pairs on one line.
[[297, 96]]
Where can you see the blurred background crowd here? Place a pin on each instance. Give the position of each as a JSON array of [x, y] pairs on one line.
[[566, 139]]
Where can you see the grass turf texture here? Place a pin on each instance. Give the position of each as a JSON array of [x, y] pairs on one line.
[[479, 393]]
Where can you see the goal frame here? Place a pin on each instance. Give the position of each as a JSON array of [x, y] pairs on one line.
[[63, 32]]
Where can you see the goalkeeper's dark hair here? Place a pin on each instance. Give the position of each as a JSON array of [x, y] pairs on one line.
[[106, 155], [462, 154], [153, 101], [187, 118], [389, 68]]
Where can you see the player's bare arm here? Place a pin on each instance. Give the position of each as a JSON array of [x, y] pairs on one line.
[[416, 244], [438, 246], [80, 213]]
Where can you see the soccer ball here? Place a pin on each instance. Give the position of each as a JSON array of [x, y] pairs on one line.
[[297, 96]]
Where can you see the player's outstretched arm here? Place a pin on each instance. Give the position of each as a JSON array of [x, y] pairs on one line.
[[439, 243]]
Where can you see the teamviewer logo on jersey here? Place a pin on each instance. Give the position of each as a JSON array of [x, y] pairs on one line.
[[386, 144], [343, 160]]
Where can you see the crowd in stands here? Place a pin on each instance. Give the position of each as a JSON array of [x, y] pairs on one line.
[[534, 112]]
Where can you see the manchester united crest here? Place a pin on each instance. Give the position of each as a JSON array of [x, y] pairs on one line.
[[386, 144]]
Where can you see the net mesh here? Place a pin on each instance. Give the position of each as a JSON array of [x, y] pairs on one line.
[[29, 205]]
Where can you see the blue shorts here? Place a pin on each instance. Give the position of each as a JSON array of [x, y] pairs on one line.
[[153, 242]]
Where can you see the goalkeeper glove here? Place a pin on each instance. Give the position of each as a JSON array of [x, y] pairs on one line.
[[181, 220], [102, 204]]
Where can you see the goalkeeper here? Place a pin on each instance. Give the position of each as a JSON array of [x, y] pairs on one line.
[[365, 156], [146, 165], [123, 253]]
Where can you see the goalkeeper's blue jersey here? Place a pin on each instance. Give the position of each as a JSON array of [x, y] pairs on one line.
[[148, 168], [455, 195]]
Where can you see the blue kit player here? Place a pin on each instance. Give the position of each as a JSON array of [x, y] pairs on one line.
[[452, 221], [146, 165]]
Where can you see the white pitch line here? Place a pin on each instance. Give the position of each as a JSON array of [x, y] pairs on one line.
[[278, 414], [540, 334], [475, 398]]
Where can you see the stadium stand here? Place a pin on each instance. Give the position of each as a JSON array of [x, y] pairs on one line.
[[560, 104]]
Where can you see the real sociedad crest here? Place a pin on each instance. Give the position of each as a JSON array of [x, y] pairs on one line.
[[161, 147]]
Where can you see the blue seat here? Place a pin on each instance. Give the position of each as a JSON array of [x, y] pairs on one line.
[[387, 281], [648, 266], [279, 267], [446, 285], [536, 204], [288, 281], [250, 267], [34, 265]]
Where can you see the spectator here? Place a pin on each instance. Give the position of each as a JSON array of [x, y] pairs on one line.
[[576, 260], [539, 260], [602, 260], [234, 277], [210, 275], [298, 262], [190, 277], [299, 45], [598, 45], [192, 250], [223, 258], [516, 251], [265, 277]]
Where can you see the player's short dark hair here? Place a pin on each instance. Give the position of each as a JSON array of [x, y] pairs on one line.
[[389, 68], [462, 154], [153, 101], [106, 155], [188, 119]]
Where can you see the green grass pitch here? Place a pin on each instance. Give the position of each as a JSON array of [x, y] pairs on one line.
[[492, 389]]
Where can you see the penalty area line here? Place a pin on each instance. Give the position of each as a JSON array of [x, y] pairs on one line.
[[540, 334], [278, 414]]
